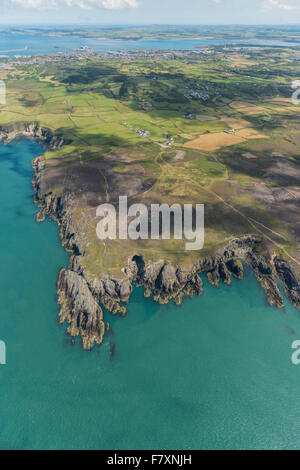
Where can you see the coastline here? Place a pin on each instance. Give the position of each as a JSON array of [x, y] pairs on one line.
[[82, 297]]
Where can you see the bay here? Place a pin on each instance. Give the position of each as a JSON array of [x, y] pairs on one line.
[[31, 44]]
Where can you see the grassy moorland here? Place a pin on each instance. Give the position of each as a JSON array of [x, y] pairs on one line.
[[218, 128]]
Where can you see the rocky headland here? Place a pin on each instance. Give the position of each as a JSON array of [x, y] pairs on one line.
[[82, 296]]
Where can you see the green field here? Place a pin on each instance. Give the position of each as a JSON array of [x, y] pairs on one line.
[[235, 143]]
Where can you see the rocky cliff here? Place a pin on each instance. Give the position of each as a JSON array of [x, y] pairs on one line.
[[30, 131], [80, 296], [80, 308]]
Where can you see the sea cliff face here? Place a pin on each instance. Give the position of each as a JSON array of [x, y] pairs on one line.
[[80, 308], [32, 131], [81, 295]]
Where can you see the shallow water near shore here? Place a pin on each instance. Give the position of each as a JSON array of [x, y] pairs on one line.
[[215, 373]]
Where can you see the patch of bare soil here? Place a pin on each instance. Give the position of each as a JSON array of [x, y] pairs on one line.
[[206, 117]]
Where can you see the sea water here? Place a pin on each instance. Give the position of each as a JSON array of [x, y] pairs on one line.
[[215, 373], [25, 43]]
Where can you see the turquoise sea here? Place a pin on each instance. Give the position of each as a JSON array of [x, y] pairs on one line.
[[215, 373]]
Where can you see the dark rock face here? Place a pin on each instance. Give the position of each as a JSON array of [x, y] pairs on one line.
[[224, 273], [33, 131], [236, 268], [166, 284], [266, 277], [80, 309], [259, 264], [124, 290], [268, 283], [140, 266], [292, 287], [194, 286], [110, 287], [213, 276], [220, 273]]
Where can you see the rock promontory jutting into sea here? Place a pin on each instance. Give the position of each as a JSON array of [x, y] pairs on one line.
[[81, 295]]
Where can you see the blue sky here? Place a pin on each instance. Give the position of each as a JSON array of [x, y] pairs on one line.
[[150, 11]]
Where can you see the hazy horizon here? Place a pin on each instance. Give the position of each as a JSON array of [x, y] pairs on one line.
[[106, 25], [149, 12]]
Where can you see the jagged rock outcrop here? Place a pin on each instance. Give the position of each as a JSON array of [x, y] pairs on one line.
[[291, 285], [213, 276], [268, 283], [33, 131], [235, 267], [194, 286], [266, 276], [224, 274], [79, 308], [167, 285], [221, 273]]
